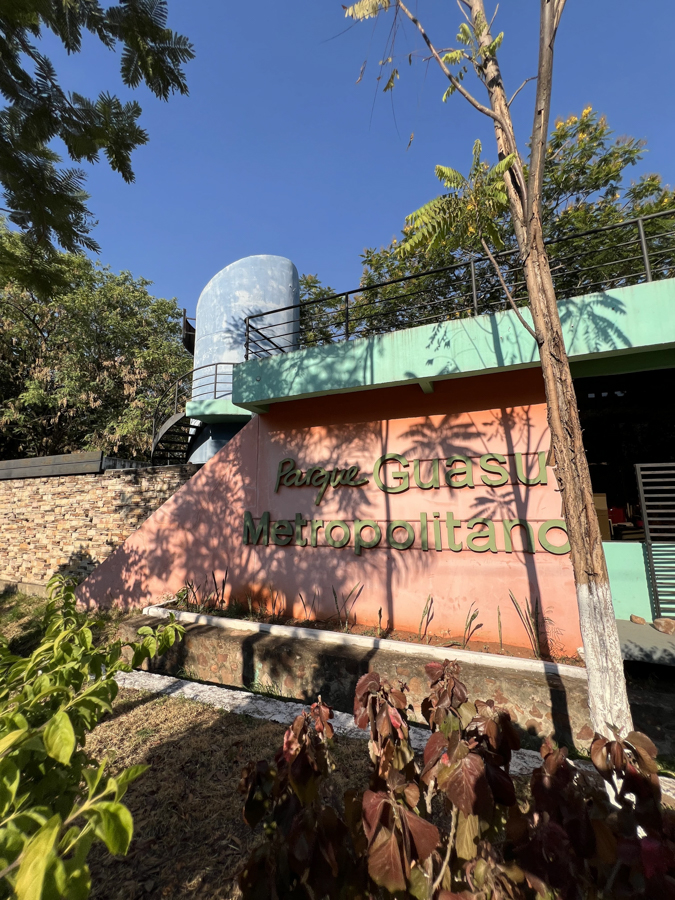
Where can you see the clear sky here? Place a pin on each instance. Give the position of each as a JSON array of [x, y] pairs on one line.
[[278, 150]]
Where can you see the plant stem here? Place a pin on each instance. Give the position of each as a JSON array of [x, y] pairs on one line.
[[448, 852]]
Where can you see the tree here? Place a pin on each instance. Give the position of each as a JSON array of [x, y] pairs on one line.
[[47, 203], [477, 52], [585, 187], [84, 369]]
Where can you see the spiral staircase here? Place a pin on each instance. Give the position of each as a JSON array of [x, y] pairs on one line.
[[174, 432]]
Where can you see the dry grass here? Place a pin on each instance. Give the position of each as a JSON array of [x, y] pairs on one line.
[[190, 839]]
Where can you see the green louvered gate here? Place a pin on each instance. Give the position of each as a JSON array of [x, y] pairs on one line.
[[656, 482]]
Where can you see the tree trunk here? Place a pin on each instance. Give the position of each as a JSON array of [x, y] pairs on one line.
[[608, 700]]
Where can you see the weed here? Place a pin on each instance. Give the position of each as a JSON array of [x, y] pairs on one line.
[[344, 611], [499, 627], [532, 622], [308, 613], [427, 616], [469, 628], [379, 622], [267, 688]]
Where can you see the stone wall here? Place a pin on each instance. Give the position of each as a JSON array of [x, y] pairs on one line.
[[540, 703], [71, 523]]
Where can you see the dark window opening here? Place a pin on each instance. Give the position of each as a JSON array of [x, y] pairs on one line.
[[626, 419]]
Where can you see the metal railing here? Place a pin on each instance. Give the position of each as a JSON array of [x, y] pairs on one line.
[[603, 258], [656, 483], [211, 382]]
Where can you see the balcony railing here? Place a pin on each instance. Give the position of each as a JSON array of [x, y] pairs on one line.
[[600, 259]]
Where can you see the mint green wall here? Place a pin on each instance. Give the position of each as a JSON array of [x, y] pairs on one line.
[[598, 328], [628, 578], [219, 410]]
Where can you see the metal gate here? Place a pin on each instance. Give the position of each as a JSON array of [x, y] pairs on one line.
[[656, 482]]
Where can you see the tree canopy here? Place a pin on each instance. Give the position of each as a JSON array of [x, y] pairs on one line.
[[586, 185], [84, 369], [45, 201]]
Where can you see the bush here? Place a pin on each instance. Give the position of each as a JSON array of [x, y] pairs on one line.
[[55, 801], [450, 826]]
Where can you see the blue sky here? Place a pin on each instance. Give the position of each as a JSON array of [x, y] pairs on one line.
[[278, 150]]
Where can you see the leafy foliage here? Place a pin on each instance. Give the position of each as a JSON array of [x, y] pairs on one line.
[[451, 827], [470, 211], [83, 369], [48, 203], [585, 187], [55, 801]]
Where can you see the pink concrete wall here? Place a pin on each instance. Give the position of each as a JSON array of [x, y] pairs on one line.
[[200, 529]]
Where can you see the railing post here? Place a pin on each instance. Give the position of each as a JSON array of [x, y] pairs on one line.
[[645, 250], [215, 382], [246, 345], [473, 287], [346, 317]]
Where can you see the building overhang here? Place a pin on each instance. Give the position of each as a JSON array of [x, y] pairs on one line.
[[622, 330]]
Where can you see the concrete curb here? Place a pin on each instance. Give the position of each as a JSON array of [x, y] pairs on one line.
[[524, 762], [489, 660]]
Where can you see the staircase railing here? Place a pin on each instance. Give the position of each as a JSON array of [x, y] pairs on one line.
[[210, 382]]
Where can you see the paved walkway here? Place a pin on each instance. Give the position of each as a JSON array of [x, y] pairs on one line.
[[524, 762], [643, 643]]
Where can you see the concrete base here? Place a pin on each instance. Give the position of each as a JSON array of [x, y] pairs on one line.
[[541, 701], [32, 588], [643, 643]]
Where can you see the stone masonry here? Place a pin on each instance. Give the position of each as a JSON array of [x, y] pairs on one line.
[[540, 704], [71, 523]]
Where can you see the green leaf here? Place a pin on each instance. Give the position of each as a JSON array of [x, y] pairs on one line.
[[125, 778], [145, 629], [9, 783], [389, 86], [468, 835], [464, 36], [454, 58], [36, 857], [59, 738], [366, 9], [114, 826], [10, 740]]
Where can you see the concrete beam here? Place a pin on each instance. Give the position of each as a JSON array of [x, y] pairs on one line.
[[599, 330]]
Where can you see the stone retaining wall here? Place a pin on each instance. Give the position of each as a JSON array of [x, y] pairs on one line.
[[540, 704], [71, 523]]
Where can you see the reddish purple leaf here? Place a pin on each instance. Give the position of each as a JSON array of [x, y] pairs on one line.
[[459, 779], [384, 862], [375, 807], [423, 834]]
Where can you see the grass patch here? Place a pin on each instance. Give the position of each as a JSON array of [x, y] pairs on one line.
[[189, 836], [21, 620]]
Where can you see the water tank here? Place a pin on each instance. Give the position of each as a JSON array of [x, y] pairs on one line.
[[252, 285]]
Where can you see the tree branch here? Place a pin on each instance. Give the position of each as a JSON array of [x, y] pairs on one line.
[[448, 852], [509, 297], [455, 82], [26, 317], [531, 78], [550, 13]]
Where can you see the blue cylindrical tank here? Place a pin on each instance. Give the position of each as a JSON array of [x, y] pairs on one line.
[[251, 285]]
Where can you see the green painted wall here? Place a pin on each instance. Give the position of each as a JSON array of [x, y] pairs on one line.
[[599, 330], [220, 410], [628, 578]]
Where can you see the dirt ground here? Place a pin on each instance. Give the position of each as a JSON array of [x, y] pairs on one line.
[[189, 836]]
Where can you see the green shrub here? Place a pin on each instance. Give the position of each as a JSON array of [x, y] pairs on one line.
[[55, 800]]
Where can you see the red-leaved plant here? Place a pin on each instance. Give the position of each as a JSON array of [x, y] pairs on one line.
[[449, 826]]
